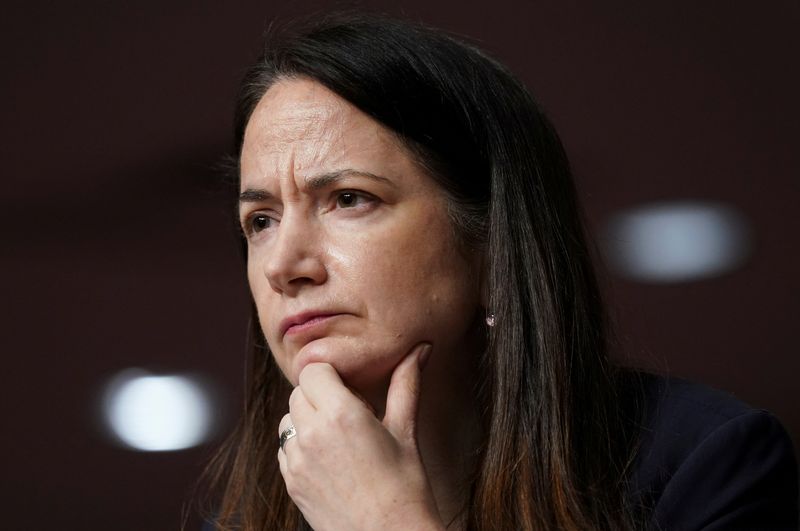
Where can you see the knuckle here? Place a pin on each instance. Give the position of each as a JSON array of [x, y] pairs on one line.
[[337, 413], [291, 486], [308, 439], [343, 416], [295, 467], [295, 396]]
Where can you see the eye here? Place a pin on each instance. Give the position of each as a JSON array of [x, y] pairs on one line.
[[346, 200], [349, 199], [258, 222]]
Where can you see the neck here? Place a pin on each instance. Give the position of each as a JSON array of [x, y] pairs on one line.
[[449, 431]]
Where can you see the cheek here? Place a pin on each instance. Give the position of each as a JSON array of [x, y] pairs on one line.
[[421, 286], [438, 308]]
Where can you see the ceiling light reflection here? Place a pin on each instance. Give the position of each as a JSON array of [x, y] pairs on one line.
[[157, 413], [677, 241]]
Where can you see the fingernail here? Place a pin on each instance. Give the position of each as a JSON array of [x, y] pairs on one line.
[[423, 356]]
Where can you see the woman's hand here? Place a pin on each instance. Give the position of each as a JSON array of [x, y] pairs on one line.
[[347, 470]]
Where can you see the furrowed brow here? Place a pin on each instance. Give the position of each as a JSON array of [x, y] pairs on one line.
[[253, 195], [326, 179], [317, 182]]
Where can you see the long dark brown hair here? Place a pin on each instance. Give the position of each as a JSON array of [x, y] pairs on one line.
[[559, 416]]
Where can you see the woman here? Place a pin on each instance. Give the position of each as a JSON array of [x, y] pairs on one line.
[[407, 211]]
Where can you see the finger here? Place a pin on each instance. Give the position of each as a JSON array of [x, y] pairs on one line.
[[285, 424], [363, 401], [282, 463], [321, 384], [402, 399], [300, 408]]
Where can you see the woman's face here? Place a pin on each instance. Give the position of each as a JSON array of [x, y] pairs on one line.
[[352, 259]]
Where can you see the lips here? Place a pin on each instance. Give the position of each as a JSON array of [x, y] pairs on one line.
[[304, 320]]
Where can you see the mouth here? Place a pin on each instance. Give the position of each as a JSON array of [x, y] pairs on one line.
[[302, 322]]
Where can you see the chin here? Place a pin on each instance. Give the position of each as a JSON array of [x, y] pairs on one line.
[[364, 372]]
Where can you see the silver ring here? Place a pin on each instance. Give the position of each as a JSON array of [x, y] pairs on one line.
[[287, 434]]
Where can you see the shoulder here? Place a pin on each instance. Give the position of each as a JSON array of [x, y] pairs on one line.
[[707, 460]]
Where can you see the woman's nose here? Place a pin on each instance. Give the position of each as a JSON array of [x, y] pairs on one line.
[[295, 260]]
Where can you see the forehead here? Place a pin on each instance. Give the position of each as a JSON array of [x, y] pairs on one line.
[[301, 124], [296, 109]]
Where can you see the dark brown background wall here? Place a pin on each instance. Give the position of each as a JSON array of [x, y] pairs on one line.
[[116, 248]]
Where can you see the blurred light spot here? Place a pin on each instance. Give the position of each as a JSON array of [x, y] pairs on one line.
[[675, 242], [157, 413]]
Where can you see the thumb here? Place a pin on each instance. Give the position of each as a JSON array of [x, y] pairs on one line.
[[402, 399]]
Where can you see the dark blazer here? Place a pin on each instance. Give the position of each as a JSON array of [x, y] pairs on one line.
[[709, 461]]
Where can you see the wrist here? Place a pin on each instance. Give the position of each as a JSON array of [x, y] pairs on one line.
[[427, 525], [424, 520]]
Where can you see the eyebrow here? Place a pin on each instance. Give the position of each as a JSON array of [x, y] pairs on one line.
[[314, 183]]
